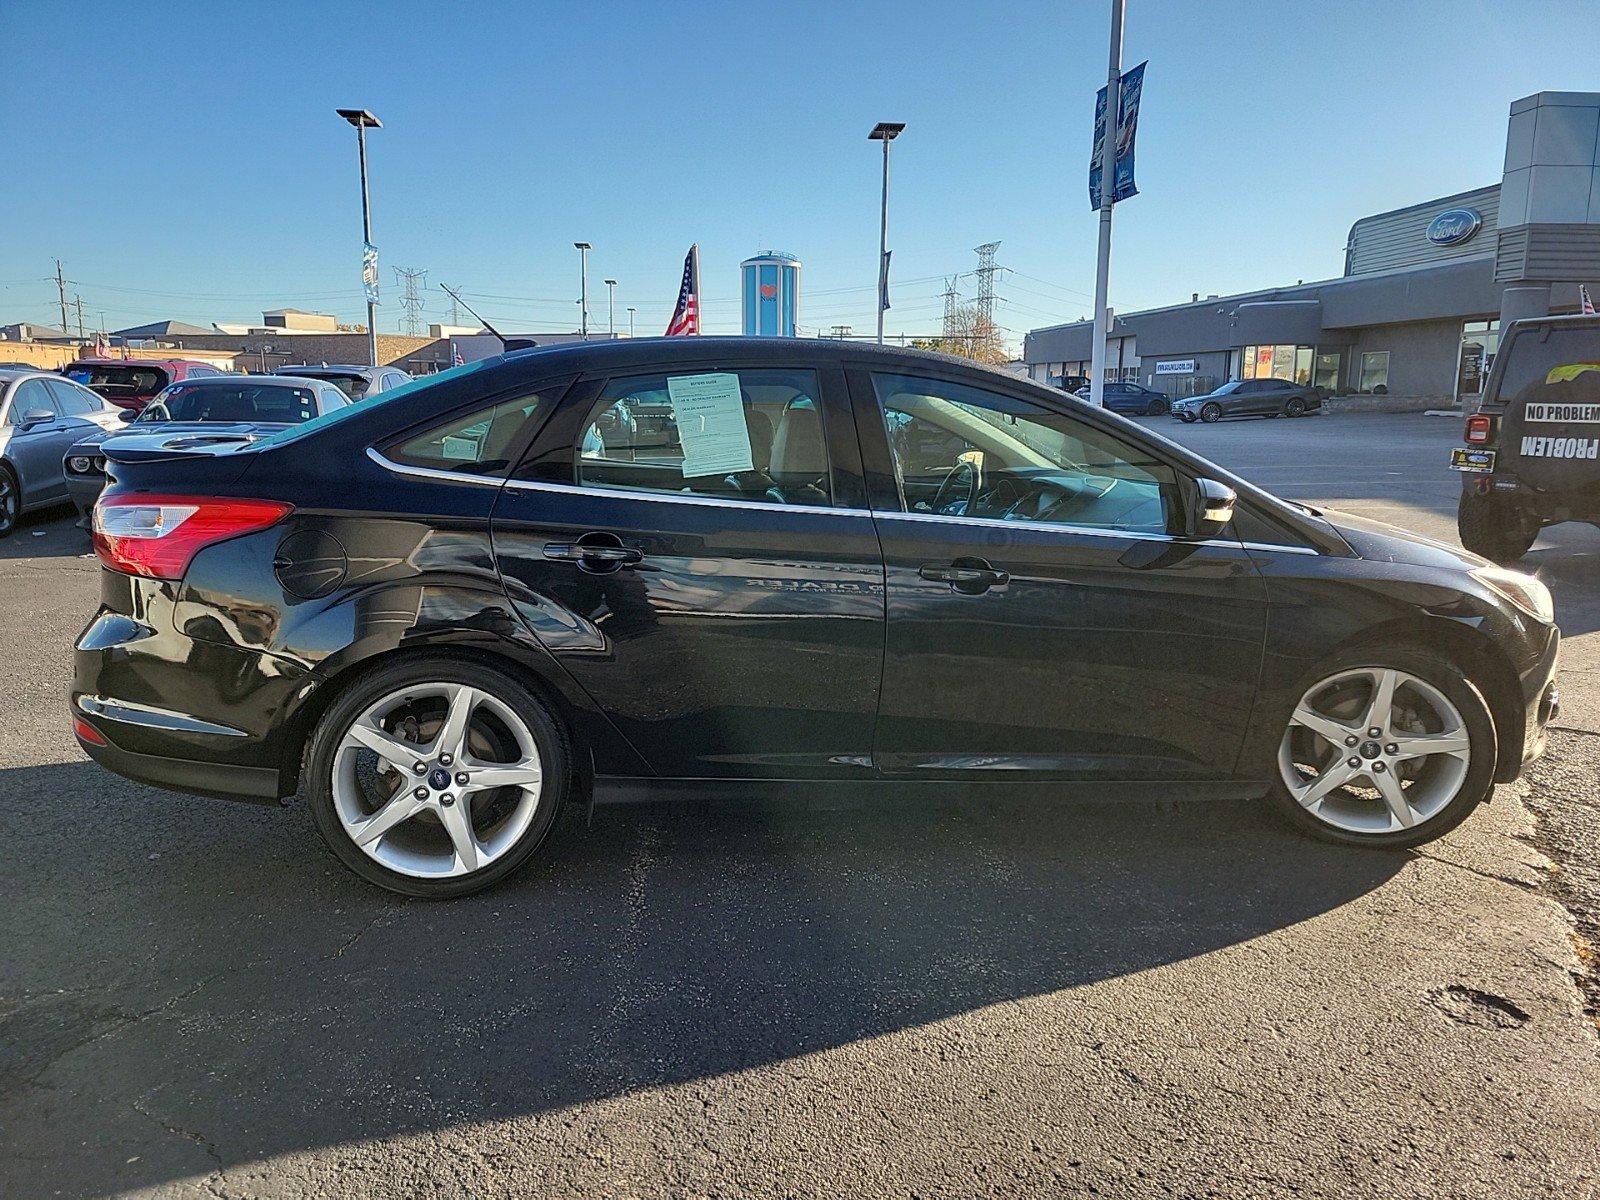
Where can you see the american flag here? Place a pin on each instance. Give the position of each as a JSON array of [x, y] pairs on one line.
[[1586, 304], [686, 317]]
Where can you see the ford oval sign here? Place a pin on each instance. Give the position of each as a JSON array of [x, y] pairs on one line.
[[1454, 226]]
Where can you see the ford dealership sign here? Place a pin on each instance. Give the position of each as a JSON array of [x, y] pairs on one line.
[[1454, 226]]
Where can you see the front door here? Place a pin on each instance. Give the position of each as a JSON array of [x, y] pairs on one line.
[[694, 548], [38, 446], [1043, 619]]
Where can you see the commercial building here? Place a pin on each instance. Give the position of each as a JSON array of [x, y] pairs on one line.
[[1418, 310], [771, 291]]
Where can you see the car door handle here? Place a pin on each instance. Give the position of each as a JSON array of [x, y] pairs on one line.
[[966, 576], [579, 552]]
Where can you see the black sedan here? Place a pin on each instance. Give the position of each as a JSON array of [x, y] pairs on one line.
[[238, 407], [445, 612], [1250, 398], [1131, 398]]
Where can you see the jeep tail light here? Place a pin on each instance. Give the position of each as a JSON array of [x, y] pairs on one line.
[[1479, 427], [158, 536]]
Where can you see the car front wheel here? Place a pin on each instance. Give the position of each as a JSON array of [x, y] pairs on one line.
[[1390, 749], [10, 501], [1210, 412], [436, 778], [1295, 408], [1154, 409]]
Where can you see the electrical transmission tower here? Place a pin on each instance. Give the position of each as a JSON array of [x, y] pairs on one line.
[[411, 299], [986, 275], [455, 305], [951, 298]]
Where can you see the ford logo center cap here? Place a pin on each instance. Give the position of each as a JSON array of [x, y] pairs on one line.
[[1454, 226], [439, 779]]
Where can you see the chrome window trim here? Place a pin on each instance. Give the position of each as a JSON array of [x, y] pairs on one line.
[[815, 510], [130, 713]]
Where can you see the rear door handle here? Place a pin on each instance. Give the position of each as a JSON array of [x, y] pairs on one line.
[[970, 576], [584, 552]]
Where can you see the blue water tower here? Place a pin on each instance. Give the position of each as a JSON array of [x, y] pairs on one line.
[[771, 294]]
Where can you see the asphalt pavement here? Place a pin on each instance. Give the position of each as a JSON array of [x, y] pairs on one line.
[[807, 999]]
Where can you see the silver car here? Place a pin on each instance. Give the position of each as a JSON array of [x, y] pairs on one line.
[[356, 382], [41, 415]]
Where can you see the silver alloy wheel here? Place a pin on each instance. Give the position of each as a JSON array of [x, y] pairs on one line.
[[8, 501], [1374, 750], [437, 780]]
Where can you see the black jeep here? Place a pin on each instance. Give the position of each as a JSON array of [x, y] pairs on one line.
[[1532, 456]]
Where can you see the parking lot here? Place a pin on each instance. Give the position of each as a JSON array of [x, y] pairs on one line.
[[811, 999]]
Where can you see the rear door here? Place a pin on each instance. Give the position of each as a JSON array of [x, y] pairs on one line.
[[1043, 619], [693, 545]]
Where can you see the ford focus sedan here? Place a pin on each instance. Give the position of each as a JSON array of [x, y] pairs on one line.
[[747, 566]]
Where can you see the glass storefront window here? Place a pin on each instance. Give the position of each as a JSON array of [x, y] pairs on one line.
[[1326, 374], [1374, 371], [1276, 362]]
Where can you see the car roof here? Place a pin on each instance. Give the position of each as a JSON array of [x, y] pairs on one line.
[[138, 362], [343, 368]]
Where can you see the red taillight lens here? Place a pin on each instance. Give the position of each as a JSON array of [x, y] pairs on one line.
[[87, 732], [158, 536], [1479, 427]]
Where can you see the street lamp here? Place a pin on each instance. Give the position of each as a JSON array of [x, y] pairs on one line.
[[583, 294], [631, 311], [611, 305], [885, 132], [364, 120]]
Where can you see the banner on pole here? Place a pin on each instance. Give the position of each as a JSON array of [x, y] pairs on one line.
[[1127, 129], [369, 271]]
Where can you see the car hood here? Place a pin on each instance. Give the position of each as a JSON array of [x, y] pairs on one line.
[[164, 429], [1377, 541]]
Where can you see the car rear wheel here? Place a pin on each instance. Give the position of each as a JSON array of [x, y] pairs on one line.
[[1499, 527], [1154, 409], [436, 778], [10, 501], [1295, 408], [1390, 749], [1210, 412]]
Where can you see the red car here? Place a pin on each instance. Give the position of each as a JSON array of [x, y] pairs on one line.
[[132, 383]]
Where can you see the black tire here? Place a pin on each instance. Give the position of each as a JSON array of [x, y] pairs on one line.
[[10, 500], [1474, 789], [1500, 528], [549, 735], [1154, 409], [1295, 408], [1210, 412]]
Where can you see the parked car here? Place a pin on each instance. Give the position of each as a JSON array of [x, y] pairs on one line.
[[1250, 398], [1071, 383], [133, 383], [1131, 398], [445, 612], [41, 414], [235, 408], [1532, 453], [356, 382]]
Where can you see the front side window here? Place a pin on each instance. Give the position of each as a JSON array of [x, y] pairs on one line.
[[74, 401], [962, 451], [754, 435], [485, 441]]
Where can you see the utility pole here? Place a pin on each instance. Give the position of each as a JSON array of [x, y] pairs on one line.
[[1108, 185], [61, 289], [78, 303], [631, 311], [583, 249], [411, 299], [611, 305]]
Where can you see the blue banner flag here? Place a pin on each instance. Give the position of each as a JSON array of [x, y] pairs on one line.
[[1127, 128], [369, 271]]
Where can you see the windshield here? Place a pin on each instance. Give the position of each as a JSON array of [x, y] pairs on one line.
[[1560, 368], [114, 377], [351, 410], [1227, 389], [353, 386], [254, 402]]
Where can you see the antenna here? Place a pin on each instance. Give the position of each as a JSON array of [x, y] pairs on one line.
[[411, 300], [455, 298]]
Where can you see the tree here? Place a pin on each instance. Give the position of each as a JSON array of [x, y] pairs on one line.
[[970, 336]]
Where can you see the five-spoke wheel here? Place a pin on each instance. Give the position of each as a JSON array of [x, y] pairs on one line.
[[434, 779]]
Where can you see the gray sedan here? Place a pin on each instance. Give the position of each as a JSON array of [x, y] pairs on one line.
[[41, 415], [1250, 398]]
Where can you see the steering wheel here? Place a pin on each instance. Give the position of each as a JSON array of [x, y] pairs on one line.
[[948, 485]]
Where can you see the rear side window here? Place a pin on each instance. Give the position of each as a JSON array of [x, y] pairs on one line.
[[74, 401], [753, 435], [1554, 378], [486, 441]]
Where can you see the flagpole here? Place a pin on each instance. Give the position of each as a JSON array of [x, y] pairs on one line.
[[1108, 181]]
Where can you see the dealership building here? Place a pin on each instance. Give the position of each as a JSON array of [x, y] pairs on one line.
[[1418, 310]]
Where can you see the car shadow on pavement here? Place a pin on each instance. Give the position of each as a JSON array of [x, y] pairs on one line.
[[190, 984]]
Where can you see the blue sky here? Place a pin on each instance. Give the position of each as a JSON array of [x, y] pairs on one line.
[[184, 160]]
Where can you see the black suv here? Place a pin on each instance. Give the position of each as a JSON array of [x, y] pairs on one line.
[[1532, 456], [1131, 398]]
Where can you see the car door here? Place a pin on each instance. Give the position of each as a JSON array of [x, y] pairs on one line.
[[36, 447], [1043, 618], [693, 545]]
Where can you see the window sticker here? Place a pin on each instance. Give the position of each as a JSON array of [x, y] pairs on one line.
[[1567, 372], [711, 427]]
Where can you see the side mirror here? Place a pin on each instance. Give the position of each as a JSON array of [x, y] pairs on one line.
[[37, 416], [126, 414], [1213, 508]]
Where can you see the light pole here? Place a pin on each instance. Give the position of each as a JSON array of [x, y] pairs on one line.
[[1108, 185], [631, 311], [583, 293], [885, 132], [611, 305], [364, 120]]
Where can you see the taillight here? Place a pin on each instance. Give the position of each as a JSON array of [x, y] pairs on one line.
[[1479, 428], [158, 536]]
